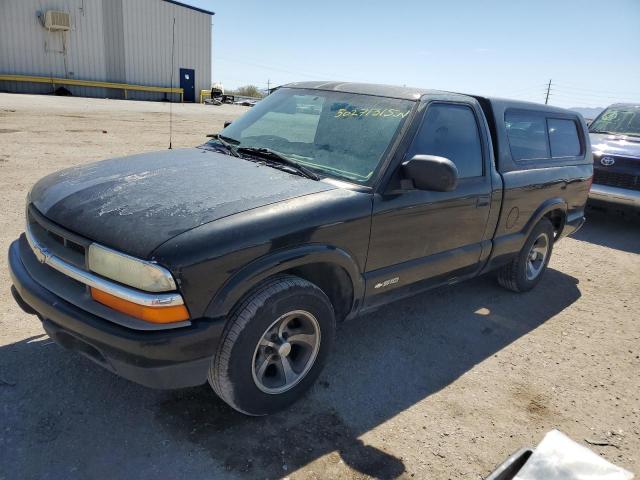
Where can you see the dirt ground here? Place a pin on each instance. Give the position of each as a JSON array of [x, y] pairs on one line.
[[442, 386]]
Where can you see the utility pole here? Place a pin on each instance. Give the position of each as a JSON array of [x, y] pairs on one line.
[[268, 86], [546, 100]]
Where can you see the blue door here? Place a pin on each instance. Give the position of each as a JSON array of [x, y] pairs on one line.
[[187, 83]]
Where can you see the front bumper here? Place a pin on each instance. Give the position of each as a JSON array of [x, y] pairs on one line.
[[615, 195], [173, 358]]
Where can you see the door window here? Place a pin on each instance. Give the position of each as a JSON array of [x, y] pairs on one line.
[[451, 131]]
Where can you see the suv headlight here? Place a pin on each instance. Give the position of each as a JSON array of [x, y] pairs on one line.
[[131, 271]]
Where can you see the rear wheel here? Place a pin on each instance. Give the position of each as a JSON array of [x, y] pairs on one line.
[[274, 346], [525, 271]]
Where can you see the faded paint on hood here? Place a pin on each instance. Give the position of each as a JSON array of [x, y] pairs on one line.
[[136, 203]]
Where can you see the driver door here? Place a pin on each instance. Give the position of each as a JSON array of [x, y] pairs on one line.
[[422, 238]]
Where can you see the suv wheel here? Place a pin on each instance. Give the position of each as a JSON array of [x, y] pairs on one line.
[[525, 271], [274, 346]]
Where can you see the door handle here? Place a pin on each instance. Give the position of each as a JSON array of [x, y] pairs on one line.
[[483, 201]]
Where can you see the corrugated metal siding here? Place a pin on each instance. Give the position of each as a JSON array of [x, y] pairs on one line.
[[114, 40], [148, 37], [27, 48], [138, 50]]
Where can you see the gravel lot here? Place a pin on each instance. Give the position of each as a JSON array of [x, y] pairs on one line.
[[444, 385]]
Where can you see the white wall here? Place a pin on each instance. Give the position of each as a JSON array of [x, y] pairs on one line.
[[26, 48], [98, 48], [148, 38]]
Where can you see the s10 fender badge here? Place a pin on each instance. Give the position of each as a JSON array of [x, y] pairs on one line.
[[607, 161], [386, 283]]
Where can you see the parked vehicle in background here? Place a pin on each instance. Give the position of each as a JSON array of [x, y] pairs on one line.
[[615, 141], [232, 262]]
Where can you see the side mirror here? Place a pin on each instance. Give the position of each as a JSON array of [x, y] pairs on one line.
[[430, 172], [227, 123]]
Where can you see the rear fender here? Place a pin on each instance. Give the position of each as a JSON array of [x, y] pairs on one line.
[[548, 206], [508, 246]]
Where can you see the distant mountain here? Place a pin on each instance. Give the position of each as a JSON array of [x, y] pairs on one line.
[[588, 113]]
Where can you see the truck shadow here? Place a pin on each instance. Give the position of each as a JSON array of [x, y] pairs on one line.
[[383, 364], [611, 229]]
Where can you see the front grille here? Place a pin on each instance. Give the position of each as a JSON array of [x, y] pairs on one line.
[[64, 244], [613, 179]]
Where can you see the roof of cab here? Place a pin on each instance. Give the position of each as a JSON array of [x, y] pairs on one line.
[[498, 103], [407, 93], [411, 93]]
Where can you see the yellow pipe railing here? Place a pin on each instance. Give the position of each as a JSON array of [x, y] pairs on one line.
[[90, 83]]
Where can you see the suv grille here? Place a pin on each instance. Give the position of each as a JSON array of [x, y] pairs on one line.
[[64, 244], [613, 179]]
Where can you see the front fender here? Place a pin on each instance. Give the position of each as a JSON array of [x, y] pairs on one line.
[[280, 261]]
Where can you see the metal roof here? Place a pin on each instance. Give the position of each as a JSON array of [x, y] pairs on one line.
[[191, 7]]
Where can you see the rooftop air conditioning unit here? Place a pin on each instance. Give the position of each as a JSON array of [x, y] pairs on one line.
[[57, 20]]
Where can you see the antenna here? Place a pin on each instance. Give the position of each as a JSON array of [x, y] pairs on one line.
[[173, 46], [546, 100]]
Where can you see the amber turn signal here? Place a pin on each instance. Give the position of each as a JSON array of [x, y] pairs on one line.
[[170, 314]]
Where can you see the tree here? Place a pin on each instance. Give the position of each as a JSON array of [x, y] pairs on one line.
[[248, 91]]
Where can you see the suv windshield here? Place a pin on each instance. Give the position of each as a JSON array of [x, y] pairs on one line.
[[333, 133], [619, 120]]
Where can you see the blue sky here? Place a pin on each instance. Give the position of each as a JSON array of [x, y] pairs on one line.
[[590, 49]]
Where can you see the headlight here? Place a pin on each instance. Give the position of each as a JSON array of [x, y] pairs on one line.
[[129, 270]]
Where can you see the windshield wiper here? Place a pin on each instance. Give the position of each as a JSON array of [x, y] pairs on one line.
[[226, 139], [620, 134], [604, 131], [227, 143], [276, 157]]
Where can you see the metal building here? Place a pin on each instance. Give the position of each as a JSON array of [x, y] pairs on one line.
[[121, 41]]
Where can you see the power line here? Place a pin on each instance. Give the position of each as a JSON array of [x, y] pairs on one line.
[[583, 98], [530, 89], [298, 73], [598, 91], [273, 65], [591, 96]]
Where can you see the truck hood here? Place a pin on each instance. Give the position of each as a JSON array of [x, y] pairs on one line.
[[136, 203], [625, 146]]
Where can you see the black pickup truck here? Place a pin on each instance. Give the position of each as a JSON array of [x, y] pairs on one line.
[[233, 261]]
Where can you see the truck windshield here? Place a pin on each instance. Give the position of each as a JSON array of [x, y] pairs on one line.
[[333, 133], [618, 120]]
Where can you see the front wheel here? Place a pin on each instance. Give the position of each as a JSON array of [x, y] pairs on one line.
[[274, 346], [525, 271]]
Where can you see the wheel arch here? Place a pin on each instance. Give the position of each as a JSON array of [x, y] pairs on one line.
[[555, 209], [332, 269], [505, 247]]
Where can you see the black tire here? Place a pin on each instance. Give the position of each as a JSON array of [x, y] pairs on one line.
[[513, 276], [231, 373]]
